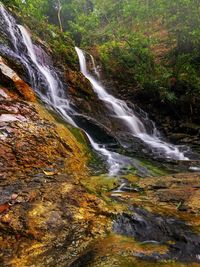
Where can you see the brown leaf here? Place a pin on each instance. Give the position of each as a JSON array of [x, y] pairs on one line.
[[49, 173]]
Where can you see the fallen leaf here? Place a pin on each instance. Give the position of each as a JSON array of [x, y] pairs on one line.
[[49, 173]]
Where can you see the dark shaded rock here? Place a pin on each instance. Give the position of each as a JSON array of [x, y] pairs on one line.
[[95, 129], [84, 260], [147, 227]]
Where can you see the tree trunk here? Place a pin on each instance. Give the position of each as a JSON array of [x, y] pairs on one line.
[[59, 15]]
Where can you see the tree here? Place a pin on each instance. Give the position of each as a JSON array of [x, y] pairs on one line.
[[59, 7]]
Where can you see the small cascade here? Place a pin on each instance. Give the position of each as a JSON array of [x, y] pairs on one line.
[[127, 116], [113, 159], [94, 67]]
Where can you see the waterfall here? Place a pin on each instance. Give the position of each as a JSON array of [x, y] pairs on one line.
[[128, 118], [60, 103], [94, 67], [8, 20], [55, 94], [50, 89]]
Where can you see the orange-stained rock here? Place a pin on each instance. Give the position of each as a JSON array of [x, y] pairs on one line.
[[43, 206], [23, 88]]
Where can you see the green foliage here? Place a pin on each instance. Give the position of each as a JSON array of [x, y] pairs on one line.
[[34, 14], [187, 72], [124, 34], [128, 61]]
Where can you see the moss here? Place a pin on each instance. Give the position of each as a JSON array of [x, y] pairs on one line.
[[119, 252], [154, 168], [95, 162], [99, 185], [80, 137]]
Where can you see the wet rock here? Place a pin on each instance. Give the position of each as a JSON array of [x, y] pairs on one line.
[[11, 77], [43, 207], [98, 131], [183, 243], [180, 188], [190, 128], [178, 136], [3, 94], [84, 260]]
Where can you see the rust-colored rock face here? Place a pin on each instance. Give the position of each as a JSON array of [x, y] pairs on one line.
[[79, 82], [79, 86], [23, 88], [43, 206]]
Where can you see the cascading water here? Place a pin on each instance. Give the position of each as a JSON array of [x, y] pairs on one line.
[[8, 20], [127, 116], [54, 96], [59, 102], [94, 67]]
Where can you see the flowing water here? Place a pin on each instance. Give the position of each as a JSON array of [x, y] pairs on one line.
[[55, 95], [9, 21], [51, 91], [60, 103], [128, 118], [145, 227], [94, 67]]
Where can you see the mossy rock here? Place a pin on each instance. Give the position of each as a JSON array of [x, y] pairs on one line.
[[99, 185]]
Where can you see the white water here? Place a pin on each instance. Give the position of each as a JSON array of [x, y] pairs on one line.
[[9, 24], [62, 105], [54, 96], [94, 67], [114, 162], [127, 116]]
